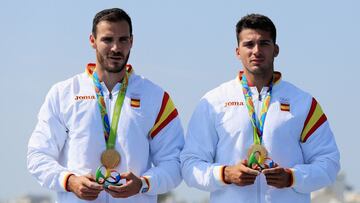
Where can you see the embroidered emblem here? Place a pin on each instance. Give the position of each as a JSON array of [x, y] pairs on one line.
[[135, 102], [284, 107], [284, 104]]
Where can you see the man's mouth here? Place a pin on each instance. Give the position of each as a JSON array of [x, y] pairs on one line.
[[256, 60], [116, 57]]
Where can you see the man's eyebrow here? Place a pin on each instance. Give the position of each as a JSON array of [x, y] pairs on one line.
[[265, 40], [247, 40]]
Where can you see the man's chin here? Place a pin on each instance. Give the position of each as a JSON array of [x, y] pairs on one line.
[[257, 70], [115, 68]]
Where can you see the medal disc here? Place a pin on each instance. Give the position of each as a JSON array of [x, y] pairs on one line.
[[110, 158], [258, 152]]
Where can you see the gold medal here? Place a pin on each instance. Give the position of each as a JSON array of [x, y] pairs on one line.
[[110, 158], [257, 153]]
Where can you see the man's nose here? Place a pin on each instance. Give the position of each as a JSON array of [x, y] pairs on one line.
[[116, 46], [256, 49]]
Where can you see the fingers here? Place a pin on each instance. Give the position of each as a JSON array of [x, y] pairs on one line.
[[84, 188], [127, 176], [117, 193], [122, 191], [278, 183], [86, 191], [245, 169], [277, 177], [90, 177], [250, 171], [245, 175], [89, 191], [130, 188], [272, 170], [240, 174], [245, 181], [120, 188], [244, 162], [90, 183]]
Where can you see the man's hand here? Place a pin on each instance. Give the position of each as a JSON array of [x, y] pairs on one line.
[[84, 187], [130, 188], [278, 177], [240, 174]]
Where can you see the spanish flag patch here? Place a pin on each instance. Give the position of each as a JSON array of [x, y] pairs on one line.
[[135, 103], [284, 107]]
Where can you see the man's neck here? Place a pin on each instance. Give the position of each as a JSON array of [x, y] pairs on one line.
[[260, 80], [110, 79]]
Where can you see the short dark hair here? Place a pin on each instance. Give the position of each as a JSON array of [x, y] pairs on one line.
[[257, 22], [111, 15]]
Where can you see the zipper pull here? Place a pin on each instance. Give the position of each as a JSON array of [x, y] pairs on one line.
[[110, 96], [260, 97]]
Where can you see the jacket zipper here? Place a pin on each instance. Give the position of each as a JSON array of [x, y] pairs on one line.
[[109, 112], [257, 102], [108, 106], [258, 190]]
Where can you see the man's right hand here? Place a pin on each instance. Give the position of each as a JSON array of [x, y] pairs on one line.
[[240, 174], [84, 187]]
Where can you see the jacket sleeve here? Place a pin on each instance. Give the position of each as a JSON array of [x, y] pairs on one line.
[[197, 157], [45, 144], [166, 142], [321, 155]]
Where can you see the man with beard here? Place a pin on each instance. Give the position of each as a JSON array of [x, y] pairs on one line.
[[258, 138], [107, 135]]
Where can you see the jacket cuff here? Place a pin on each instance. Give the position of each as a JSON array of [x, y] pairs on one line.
[[219, 176], [64, 177], [148, 182]]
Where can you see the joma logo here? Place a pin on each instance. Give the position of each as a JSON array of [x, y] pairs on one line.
[[84, 97], [233, 103]]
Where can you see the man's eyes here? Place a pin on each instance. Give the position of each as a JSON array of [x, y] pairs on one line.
[[248, 44], [122, 40], [107, 39], [261, 43], [266, 43]]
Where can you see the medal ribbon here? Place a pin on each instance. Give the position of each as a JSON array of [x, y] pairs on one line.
[[258, 124], [109, 131]]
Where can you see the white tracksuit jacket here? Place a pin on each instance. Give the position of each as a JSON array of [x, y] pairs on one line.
[[69, 138], [296, 134]]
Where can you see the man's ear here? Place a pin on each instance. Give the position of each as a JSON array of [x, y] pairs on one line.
[[92, 41], [276, 50], [131, 41], [237, 53]]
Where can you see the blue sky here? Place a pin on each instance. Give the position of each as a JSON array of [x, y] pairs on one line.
[[187, 47]]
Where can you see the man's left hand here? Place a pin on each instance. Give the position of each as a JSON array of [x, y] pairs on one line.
[[130, 188], [277, 177]]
